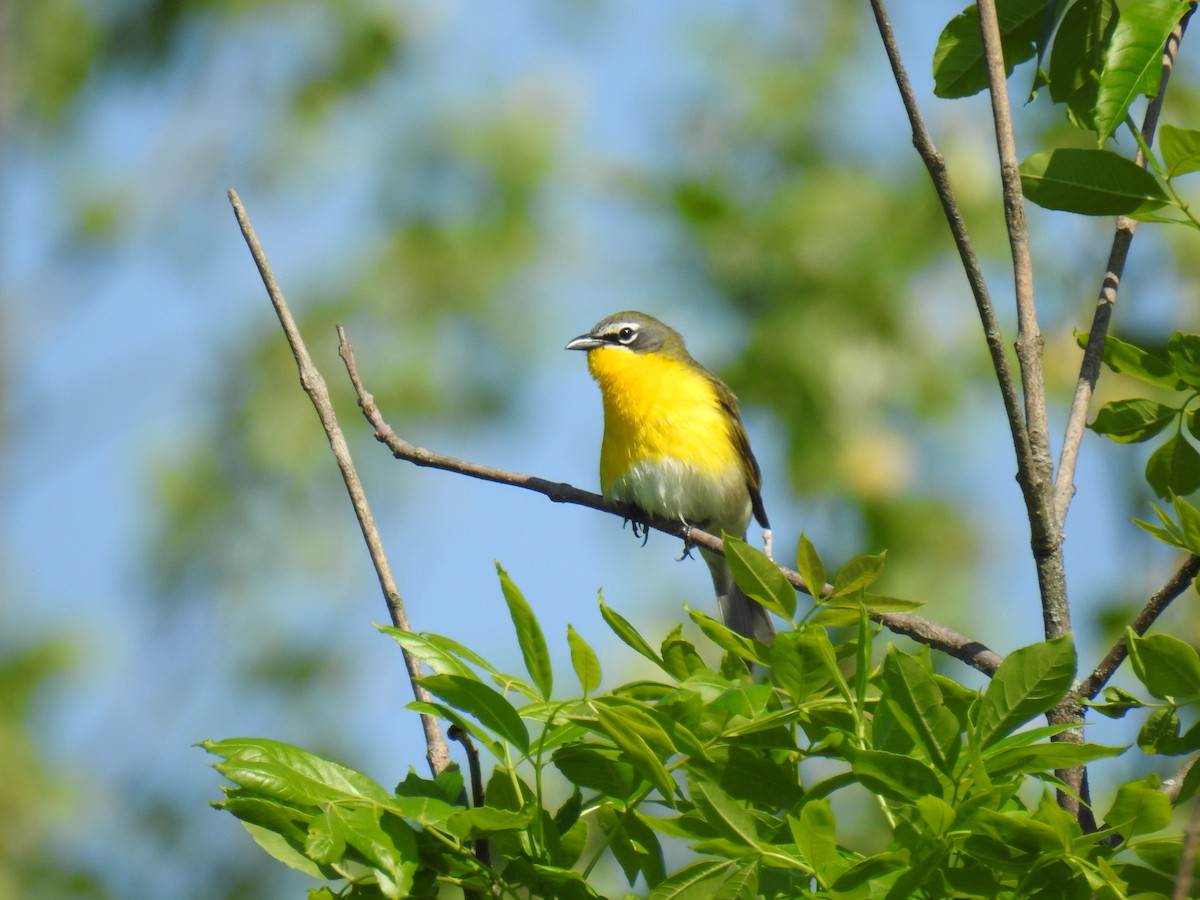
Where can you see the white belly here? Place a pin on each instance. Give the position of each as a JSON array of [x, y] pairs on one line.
[[672, 489]]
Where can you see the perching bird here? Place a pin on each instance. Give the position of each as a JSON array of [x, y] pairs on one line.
[[674, 445]]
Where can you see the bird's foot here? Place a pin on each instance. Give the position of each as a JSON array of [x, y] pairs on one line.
[[640, 529], [687, 543]]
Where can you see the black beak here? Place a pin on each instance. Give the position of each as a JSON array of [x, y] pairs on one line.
[[584, 342]]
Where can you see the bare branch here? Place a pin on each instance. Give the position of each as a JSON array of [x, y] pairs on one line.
[[1173, 786], [1089, 370], [314, 385], [1047, 546], [1155, 607], [936, 166], [1046, 530], [936, 636]]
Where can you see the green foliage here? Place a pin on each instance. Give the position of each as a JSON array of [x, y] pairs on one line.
[[1173, 469], [1101, 57], [709, 756]]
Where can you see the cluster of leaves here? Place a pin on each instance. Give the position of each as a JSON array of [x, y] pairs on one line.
[[709, 756], [1170, 671], [1097, 57], [1173, 469]]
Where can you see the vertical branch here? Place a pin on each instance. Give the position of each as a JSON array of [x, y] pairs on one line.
[[935, 164], [1089, 370], [1046, 537], [314, 385]]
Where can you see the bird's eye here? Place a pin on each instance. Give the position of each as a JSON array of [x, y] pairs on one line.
[[626, 334]]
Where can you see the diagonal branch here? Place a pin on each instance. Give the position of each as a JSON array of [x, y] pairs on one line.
[[1089, 371], [1155, 607], [939, 637], [314, 385]]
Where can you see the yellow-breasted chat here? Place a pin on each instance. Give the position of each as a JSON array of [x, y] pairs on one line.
[[674, 444]]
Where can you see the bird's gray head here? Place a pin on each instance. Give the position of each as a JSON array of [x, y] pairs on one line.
[[632, 330]]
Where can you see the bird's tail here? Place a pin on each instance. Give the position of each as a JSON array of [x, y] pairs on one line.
[[738, 612]]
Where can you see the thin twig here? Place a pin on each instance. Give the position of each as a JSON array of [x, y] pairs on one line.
[[1089, 370], [437, 752], [475, 772], [1173, 786], [937, 636], [1155, 606]]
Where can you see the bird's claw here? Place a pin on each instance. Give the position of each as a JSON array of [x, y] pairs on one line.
[[640, 529], [687, 543]]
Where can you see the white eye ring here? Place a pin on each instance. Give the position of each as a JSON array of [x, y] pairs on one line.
[[627, 334]]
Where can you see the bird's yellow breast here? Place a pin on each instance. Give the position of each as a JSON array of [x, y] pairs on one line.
[[668, 444]]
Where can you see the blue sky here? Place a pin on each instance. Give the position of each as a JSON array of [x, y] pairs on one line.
[[111, 354]]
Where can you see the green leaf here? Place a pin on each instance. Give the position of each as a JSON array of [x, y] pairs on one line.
[[698, 881], [724, 637], [619, 725], [1133, 421], [324, 843], [627, 633], [893, 775], [1029, 682], [638, 716], [1184, 352], [815, 834], [391, 851], [881, 865], [679, 656], [1160, 731], [1188, 518], [1167, 666], [1118, 702], [1180, 149], [597, 767], [727, 817], [1131, 360], [1139, 808], [809, 565], [883, 603], [277, 770], [485, 821], [916, 704], [959, 68], [430, 650], [635, 846], [584, 661], [858, 573], [758, 577], [529, 635], [1174, 468], [1046, 757], [278, 847], [1133, 59], [489, 706], [1077, 58], [803, 663], [1089, 182]]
